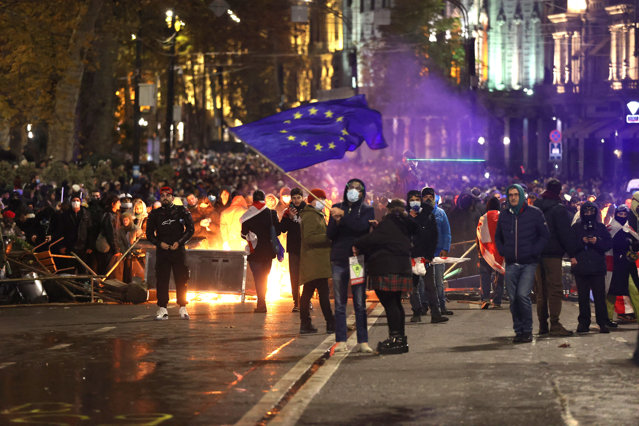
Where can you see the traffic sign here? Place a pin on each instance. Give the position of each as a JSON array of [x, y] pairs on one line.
[[554, 151], [555, 136]]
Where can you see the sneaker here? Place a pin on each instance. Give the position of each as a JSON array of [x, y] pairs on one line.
[[162, 314], [296, 308], [308, 329], [416, 318], [485, 305], [523, 338], [341, 347], [364, 348], [435, 320], [183, 313], [581, 329], [558, 330]]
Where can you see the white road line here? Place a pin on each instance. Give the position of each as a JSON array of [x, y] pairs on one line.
[[139, 317], [6, 364], [279, 390], [60, 346], [566, 415], [103, 329]]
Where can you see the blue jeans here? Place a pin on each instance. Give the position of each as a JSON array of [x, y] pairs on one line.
[[487, 277], [418, 301], [438, 272], [341, 278], [520, 280]]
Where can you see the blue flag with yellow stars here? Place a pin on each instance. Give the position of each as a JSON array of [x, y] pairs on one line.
[[310, 134]]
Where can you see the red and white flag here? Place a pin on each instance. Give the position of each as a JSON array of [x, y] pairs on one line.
[[486, 238]]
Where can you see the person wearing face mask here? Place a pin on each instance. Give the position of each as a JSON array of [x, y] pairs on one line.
[[591, 241], [125, 203], [424, 244], [314, 261], [290, 224], [442, 248], [285, 201], [350, 219], [73, 226], [625, 244], [169, 228]]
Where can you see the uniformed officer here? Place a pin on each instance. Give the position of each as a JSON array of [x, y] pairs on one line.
[[169, 228]]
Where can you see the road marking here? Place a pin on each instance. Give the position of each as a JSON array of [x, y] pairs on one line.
[[566, 415], [103, 329], [6, 364], [139, 317], [620, 339], [60, 346], [293, 410]]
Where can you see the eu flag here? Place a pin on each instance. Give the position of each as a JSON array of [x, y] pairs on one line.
[[316, 132]]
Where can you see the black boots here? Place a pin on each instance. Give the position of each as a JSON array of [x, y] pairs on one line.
[[393, 345]]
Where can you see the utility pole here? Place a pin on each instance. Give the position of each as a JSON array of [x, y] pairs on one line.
[[137, 131], [170, 96]]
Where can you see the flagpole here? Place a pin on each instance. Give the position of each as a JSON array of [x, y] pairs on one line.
[[279, 169]]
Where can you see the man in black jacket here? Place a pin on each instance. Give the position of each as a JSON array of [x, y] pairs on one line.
[[259, 227], [290, 224], [520, 237], [424, 244], [548, 277], [73, 226], [169, 228]]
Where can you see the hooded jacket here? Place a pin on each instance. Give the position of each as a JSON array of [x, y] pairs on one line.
[[558, 222], [353, 225], [425, 236], [292, 229], [591, 258], [521, 233]]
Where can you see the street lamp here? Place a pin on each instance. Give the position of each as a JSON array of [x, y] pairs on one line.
[[174, 24]]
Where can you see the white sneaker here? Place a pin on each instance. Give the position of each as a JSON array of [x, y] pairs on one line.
[[364, 348], [341, 347], [162, 314], [183, 313]]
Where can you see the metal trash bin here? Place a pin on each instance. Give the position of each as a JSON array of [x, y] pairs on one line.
[[210, 270]]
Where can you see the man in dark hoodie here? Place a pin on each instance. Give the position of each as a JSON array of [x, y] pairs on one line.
[[592, 240], [521, 236], [424, 245], [548, 277], [350, 219]]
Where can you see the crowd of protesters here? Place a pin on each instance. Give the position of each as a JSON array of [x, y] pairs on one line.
[[100, 220]]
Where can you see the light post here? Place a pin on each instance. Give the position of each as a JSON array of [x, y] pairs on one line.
[[175, 25], [137, 132]]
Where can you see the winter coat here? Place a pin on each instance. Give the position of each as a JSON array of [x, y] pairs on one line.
[[387, 250], [354, 224], [444, 236], [521, 238], [315, 250], [109, 229], [424, 240], [292, 229], [622, 242], [74, 227], [169, 225], [558, 221], [591, 259], [260, 223]]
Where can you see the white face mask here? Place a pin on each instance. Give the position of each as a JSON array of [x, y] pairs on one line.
[[319, 205], [352, 195], [415, 205], [127, 205], [75, 204]]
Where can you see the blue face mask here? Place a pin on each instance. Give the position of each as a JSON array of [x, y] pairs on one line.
[[352, 195]]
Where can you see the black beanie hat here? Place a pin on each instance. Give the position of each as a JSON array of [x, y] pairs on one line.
[[428, 191], [493, 204], [554, 186]]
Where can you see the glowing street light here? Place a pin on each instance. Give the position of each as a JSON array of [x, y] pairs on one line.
[[506, 141], [481, 140], [487, 175]]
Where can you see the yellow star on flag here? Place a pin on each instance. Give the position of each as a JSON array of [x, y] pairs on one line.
[[340, 119], [331, 145], [344, 132], [304, 143], [328, 114], [312, 111], [297, 115], [341, 138], [318, 147], [287, 122], [283, 131], [291, 138]]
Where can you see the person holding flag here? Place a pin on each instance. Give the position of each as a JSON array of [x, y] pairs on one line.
[[491, 263]]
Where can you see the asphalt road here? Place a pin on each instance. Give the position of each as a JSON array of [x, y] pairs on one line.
[[112, 364]]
